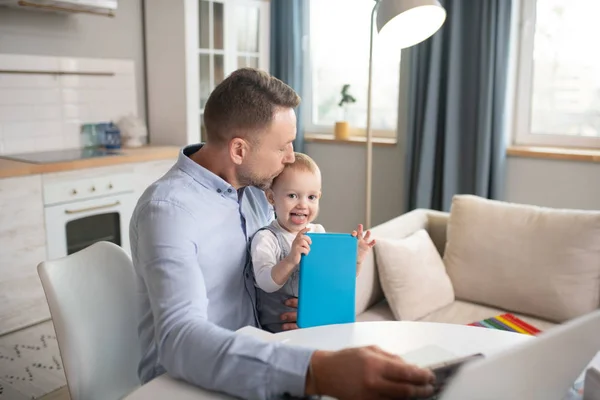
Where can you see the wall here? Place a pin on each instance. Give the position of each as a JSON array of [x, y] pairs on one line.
[[549, 183], [343, 170], [43, 112], [78, 35], [553, 183]]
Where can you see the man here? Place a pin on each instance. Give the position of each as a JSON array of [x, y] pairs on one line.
[[189, 236]]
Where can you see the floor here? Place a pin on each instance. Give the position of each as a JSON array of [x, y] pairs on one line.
[[30, 365]]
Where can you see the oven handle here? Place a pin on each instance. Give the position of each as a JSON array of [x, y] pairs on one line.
[[81, 210]]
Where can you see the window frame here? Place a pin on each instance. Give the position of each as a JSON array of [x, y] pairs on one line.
[[307, 98], [522, 135]]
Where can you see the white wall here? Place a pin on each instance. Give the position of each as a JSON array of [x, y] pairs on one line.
[[45, 112], [343, 170], [550, 183], [78, 35], [553, 183]]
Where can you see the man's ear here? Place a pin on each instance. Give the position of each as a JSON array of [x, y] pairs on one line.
[[270, 196], [238, 149]]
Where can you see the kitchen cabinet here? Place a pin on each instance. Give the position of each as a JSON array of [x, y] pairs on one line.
[[22, 248], [191, 46], [32, 230], [148, 172]]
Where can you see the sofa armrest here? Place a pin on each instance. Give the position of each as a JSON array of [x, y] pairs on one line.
[[434, 222], [368, 288]]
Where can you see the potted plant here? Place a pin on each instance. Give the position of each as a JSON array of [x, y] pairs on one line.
[[342, 128]]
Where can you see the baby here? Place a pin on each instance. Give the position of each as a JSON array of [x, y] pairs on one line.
[[276, 249]]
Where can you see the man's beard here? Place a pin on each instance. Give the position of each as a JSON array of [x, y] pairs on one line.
[[247, 178]]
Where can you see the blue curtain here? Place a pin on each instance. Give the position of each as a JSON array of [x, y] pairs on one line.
[[287, 60], [455, 142]]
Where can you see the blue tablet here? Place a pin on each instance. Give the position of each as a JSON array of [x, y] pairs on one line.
[[327, 287]]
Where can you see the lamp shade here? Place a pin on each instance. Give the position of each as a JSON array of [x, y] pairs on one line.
[[410, 21]]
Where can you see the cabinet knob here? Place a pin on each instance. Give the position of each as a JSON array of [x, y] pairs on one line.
[[110, 185], [93, 189], [74, 192]]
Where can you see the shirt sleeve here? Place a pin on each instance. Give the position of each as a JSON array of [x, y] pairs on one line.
[[190, 347], [265, 252]]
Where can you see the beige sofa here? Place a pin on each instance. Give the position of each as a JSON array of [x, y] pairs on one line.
[[371, 304]]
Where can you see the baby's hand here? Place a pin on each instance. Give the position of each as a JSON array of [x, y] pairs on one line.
[[364, 245], [300, 245]]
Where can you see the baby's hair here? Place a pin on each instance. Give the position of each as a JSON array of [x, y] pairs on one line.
[[302, 162]]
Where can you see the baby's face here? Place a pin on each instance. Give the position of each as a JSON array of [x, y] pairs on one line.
[[295, 197]]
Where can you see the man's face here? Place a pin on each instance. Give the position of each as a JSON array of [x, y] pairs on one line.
[[268, 157]]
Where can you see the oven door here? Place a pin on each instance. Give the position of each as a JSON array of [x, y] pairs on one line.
[[73, 226]]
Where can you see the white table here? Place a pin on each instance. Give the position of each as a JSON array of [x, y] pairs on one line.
[[418, 342]]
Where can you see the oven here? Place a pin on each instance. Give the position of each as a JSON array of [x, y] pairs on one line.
[[79, 213]]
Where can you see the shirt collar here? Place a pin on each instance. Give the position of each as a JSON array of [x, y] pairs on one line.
[[201, 175]]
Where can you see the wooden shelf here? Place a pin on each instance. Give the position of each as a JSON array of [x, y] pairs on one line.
[[554, 153], [356, 140], [34, 72], [10, 168]]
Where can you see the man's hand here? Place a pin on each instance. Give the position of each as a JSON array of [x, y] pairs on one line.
[[300, 245], [366, 373], [290, 317], [364, 243]]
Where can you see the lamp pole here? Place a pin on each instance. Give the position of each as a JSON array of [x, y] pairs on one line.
[[420, 26], [369, 183]]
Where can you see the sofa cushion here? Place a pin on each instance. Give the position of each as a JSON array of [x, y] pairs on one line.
[[379, 312], [368, 288], [413, 276], [462, 312], [537, 261], [459, 312]]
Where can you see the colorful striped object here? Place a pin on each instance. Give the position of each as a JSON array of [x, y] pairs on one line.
[[507, 322]]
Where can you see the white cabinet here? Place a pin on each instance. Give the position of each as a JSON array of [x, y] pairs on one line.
[[22, 248], [147, 173], [35, 214], [191, 46]]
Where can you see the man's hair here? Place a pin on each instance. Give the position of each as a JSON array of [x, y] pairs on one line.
[[245, 103], [302, 162]]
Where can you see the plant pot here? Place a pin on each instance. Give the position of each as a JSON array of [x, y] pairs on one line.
[[342, 130]]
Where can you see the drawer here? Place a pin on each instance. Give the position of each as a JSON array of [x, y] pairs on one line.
[[68, 191]]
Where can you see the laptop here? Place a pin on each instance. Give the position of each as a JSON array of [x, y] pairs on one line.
[[540, 369]]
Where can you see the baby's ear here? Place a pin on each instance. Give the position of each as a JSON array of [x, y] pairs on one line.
[[270, 196]]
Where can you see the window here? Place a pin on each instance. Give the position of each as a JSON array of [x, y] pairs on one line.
[[558, 81], [232, 35], [338, 55]]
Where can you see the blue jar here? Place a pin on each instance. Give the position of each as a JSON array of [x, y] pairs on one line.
[[112, 137], [101, 132]]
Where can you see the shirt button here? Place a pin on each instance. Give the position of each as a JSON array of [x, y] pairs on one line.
[[247, 275], [229, 190], [219, 190]]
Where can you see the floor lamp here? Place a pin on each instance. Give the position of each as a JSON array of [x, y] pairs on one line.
[[411, 22]]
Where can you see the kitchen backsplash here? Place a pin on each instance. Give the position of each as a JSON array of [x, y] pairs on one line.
[[42, 107]]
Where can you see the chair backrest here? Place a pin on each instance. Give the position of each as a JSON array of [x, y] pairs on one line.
[[92, 301]]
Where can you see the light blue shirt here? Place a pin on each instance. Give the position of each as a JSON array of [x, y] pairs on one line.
[[189, 238]]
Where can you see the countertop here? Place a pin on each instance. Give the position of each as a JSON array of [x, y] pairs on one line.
[[11, 168]]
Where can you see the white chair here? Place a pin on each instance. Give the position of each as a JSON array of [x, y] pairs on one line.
[[92, 301]]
